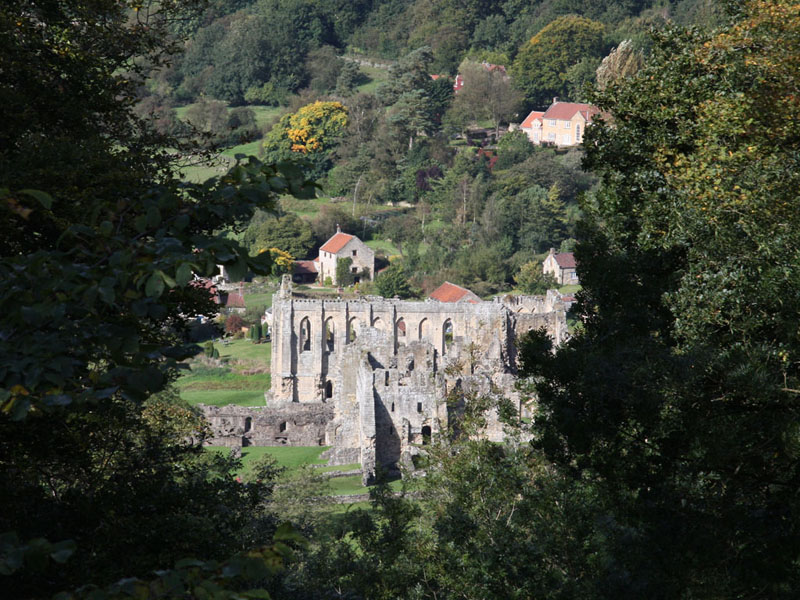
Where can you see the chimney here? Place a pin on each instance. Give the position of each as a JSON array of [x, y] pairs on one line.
[[552, 251], [555, 99], [338, 229]]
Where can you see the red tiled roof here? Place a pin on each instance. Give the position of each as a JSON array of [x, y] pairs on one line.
[[336, 243], [208, 285], [490, 67], [305, 267], [565, 260], [528, 122], [449, 292], [234, 300], [564, 111]]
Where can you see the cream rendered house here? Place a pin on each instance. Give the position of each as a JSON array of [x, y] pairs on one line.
[[563, 124]]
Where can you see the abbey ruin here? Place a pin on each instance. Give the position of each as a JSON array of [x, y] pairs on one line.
[[369, 377]]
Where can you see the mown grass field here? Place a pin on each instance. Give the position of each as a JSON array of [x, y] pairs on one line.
[[375, 77], [264, 114], [293, 458], [388, 248], [228, 384], [258, 299]]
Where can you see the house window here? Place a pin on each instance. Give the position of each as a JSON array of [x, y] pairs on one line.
[[419, 407], [566, 139], [355, 252], [551, 137], [354, 269], [551, 122], [567, 124], [577, 132]]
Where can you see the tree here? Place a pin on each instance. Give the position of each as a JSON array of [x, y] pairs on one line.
[[324, 67], [680, 401], [310, 134], [349, 77], [101, 243], [234, 324], [513, 148], [532, 280], [344, 274], [540, 68], [288, 233], [487, 94], [393, 282]]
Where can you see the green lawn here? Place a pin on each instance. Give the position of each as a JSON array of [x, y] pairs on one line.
[[264, 114], [220, 386], [388, 248], [245, 350], [225, 397], [290, 457], [249, 148], [376, 77], [294, 457], [569, 289], [258, 299]]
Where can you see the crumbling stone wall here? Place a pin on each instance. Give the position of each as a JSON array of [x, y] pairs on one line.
[[266, 426], [369, 377]]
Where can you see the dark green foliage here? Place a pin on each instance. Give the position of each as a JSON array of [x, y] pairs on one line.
[[100, 246], [220, 127], [323, 66], [513, 148], [531, 279], [289, 233], [344, 275], [348, 78], [679, 398], [542, 65], [393, 282]]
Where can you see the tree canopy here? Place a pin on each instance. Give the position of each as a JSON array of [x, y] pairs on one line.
[[541, 66], [101, 246], [680, 401]]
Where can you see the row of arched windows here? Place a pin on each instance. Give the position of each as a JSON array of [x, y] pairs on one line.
[[400, 331]]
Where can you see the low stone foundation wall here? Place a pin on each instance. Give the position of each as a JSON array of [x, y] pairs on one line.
[[283, 425]]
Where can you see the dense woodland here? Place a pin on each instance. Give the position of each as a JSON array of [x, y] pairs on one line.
[[475, 214], [665, 452]]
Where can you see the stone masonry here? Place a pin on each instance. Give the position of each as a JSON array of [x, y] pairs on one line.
[[369, 377]]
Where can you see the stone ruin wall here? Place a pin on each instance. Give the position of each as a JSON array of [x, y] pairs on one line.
[[236, 426], [368, 377]]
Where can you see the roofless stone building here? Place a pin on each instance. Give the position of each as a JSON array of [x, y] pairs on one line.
[[369, 377]]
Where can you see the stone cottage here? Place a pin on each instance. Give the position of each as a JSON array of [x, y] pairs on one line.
[[343, 246], [562, 266]]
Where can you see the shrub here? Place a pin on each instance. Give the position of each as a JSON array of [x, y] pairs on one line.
[[234, 324]]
